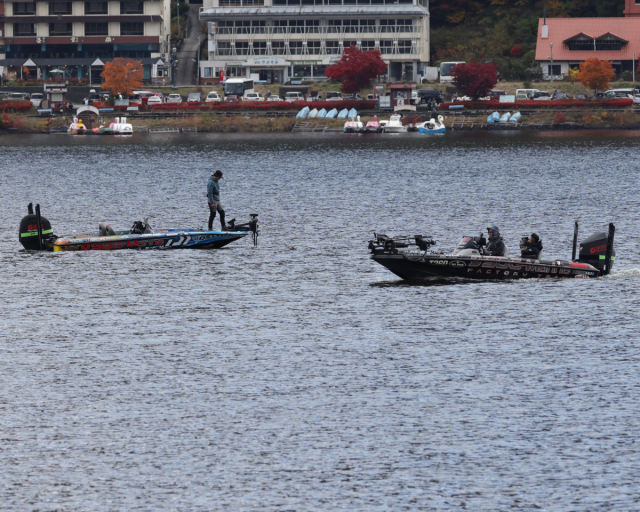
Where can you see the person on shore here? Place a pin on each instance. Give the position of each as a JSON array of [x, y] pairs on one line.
[[555, 94], [532, 247], [213, 197], [496, 246], [268, 94]]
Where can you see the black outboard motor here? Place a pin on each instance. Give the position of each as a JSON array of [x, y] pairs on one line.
[[35, 231], [593, 250]]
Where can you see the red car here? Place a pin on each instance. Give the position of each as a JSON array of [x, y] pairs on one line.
[[232, 99]]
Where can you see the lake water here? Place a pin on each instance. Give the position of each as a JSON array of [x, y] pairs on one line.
[[299, 375]]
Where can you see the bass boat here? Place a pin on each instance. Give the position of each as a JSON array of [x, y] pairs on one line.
[[36, 234], [409, 258]]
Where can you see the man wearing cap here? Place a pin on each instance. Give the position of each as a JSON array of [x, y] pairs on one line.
[[213, 196], [496, 246]]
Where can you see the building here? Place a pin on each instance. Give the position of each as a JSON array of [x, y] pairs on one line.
[[280, 40], [75, 39], [564, 43]]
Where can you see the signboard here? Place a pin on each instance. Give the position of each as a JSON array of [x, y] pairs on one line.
[[507, 99], [212, 45], [267, 61], [330, 60], [154, 70], [211, 27], [304, 62], [1, 70]]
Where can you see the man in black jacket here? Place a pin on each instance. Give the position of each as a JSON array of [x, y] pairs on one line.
[[496, 246], [531, 248]]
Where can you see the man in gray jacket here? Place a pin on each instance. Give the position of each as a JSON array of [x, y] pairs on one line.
[[213, 196], [496, 246]]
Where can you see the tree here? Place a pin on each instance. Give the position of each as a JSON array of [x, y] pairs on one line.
[[516, 51], [596, 74], [122, 76], [356, 69], [475, 79]]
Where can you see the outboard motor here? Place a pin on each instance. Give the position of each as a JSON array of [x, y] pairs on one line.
[[593, 250], [35, 231]]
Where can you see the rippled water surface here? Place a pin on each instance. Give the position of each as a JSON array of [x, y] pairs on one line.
[[299, 375]]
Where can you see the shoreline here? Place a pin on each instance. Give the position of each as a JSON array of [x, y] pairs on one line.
[[17, 124]]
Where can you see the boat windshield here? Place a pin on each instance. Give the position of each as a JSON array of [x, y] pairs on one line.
[[233, 89]]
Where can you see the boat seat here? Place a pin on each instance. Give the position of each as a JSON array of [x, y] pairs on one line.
[[110, 230], [102, 229]]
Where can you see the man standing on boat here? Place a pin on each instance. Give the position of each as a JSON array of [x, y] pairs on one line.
[[213, 196]]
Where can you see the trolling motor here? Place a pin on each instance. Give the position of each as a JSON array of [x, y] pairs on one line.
[[252, 226], [597, 250], [35, 231]]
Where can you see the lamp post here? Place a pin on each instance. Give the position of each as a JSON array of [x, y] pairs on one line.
[[174, 61], [198, 70], [178, 16], [551, 68]]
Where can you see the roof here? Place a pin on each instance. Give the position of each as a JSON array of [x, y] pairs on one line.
[[368, 11], [562, 29], [70, 62]]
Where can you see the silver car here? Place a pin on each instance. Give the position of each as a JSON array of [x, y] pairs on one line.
[[174, 98]]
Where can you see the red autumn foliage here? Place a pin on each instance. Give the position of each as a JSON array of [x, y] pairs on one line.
[[533, 104], [516, 51], [560, 118], [15, 105], [356, 69], [475, 79]]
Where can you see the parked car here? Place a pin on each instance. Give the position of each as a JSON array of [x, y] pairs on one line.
[[529, 92], [253, 96], [333, 96], [274, 97], [293, 96], [156, 99], [145, 95], [93, 96], [213, 96], [542, 95], [174, 98], [194, 97], [424, 95], [232, 98], [17, 96], [36, 99], [353, 97], [522, 96], [561, 96], [580, 97]]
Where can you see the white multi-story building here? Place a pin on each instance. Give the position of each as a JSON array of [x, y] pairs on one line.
[[280, 40]]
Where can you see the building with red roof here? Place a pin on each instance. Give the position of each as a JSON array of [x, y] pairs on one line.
[[564, 43]]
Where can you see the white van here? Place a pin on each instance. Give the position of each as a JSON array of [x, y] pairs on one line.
[[529, 92], [294, 96], [36, 99]]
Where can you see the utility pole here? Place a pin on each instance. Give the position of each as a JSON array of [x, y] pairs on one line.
[[198, 70], [178, 16], [551, 69]]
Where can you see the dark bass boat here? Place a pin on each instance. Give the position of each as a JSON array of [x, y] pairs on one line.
[[409, 258], [36, 234]]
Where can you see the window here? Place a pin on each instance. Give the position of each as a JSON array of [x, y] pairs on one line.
[[132, 29], [295, 47], [96, 8], [313, 47], [332, 47], [609, 42], [24, 8], [554, 69], [96, 29], [277, 47], [131, 7], [242, 48], [386, 46], [404, 46], [259, 48], [60, 29], [206, 73], [59, 8], [368, 45], [24, 29]]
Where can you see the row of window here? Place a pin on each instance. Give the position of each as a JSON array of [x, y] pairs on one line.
[[315, 23], [90, 29], [587, 45], [65, 8], [260, 3], [311, 48]]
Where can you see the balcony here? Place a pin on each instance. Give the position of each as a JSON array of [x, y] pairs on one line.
[[387, 52]]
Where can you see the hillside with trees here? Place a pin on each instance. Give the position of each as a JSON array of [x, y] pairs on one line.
[[502, 32]]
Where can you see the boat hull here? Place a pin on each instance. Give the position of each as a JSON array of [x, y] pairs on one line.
[[493, 268], [427, 131], [159, 239], [395, 129]]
